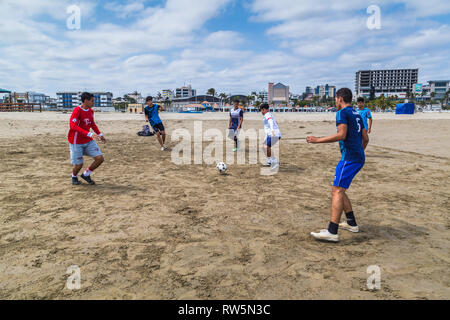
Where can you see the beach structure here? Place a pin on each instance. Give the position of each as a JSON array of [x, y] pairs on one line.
[[405, 108], [375, 83], [72, 99], [179, 104], [278, 94]]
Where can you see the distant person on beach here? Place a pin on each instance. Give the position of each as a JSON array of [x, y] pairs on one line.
[[82, 141], [273, 135], [235, 124], [152, 116], [365, 114], [353, 140]]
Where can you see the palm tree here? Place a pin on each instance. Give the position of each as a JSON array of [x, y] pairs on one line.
[[250, 98], [223, 97], [211, 92], [447, 96]]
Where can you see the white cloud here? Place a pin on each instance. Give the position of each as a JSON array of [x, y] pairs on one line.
[[153, 46]]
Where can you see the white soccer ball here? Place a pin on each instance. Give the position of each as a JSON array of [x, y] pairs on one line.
[[222, 167]]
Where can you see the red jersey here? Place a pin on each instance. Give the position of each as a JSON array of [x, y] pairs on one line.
[[81, 123]]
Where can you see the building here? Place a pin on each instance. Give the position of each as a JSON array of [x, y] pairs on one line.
[[34, 97], [179, 104], [103, 99], [439, 88], [375, 83], [325, 91], [136, 96], [73, 99], [264, 95], [185, 92], [278, 94], [167, 94]]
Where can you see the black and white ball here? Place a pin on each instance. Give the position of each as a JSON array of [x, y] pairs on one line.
[[222, 167]]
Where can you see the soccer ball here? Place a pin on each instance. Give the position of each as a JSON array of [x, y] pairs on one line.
[[222, 167]]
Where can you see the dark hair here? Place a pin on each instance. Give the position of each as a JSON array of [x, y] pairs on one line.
[[264, 106], [236, 101], [346, 94], [86, 96], [361, 99], [149, 98]]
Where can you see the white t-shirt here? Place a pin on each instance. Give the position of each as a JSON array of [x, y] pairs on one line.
[[271, 125]]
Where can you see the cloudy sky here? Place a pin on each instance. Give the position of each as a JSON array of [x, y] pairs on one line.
[[233, 46]]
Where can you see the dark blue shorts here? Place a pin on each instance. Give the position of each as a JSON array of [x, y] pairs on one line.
[[346, 171], [271, 141], [159, 127]]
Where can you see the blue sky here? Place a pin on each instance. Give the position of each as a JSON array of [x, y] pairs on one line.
[[233, 46]]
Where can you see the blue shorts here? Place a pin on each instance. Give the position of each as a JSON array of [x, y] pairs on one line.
[[346, 171], [77, 151], [271, 141]]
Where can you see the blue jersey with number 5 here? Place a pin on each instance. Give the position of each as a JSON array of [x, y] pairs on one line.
[[351, 148]]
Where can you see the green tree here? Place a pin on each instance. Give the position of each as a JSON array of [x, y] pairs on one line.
[[211, 92]]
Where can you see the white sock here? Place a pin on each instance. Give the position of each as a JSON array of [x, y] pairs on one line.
[[87, 173], [74, 176]]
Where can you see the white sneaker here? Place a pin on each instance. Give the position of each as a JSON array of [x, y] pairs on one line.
[[346, 226], [163, 149], [274, 165], [325, 235]]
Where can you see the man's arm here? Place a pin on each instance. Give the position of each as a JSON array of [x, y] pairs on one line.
[[161, 108], [365, 138], [97, 132], [340, 135], [370, 125], [146, 115]]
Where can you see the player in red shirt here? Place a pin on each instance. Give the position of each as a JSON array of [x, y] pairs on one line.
[[82, 141]]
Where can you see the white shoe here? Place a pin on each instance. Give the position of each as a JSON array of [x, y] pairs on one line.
[[325, 235], [267, 164], [163, 149], [346, 226], [274, 165]]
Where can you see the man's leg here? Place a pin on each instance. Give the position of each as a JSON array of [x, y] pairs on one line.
[[337, 206], [348, 210], [269, 152], [347, 204], [158, 136], [163, 134], [76, 169], [97, 163]]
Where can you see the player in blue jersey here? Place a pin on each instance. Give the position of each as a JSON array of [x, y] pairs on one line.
[[365, 114], [152, 115], [353, 140], [235, 124]]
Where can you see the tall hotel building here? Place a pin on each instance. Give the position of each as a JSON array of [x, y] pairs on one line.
[[278, 94], [388, 82], [73, 99]]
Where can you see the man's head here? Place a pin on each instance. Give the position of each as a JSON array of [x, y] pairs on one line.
[[344, 98], [361, 102], [236, 104], [264, 108], [87, 99], [149, 100]]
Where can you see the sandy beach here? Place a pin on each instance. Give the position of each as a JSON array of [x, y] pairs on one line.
[[151, 229]]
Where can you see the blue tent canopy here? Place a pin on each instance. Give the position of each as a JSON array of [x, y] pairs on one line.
[[405, 108], [4, 91]]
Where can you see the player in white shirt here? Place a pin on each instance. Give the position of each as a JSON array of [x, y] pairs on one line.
[[273, 135]]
